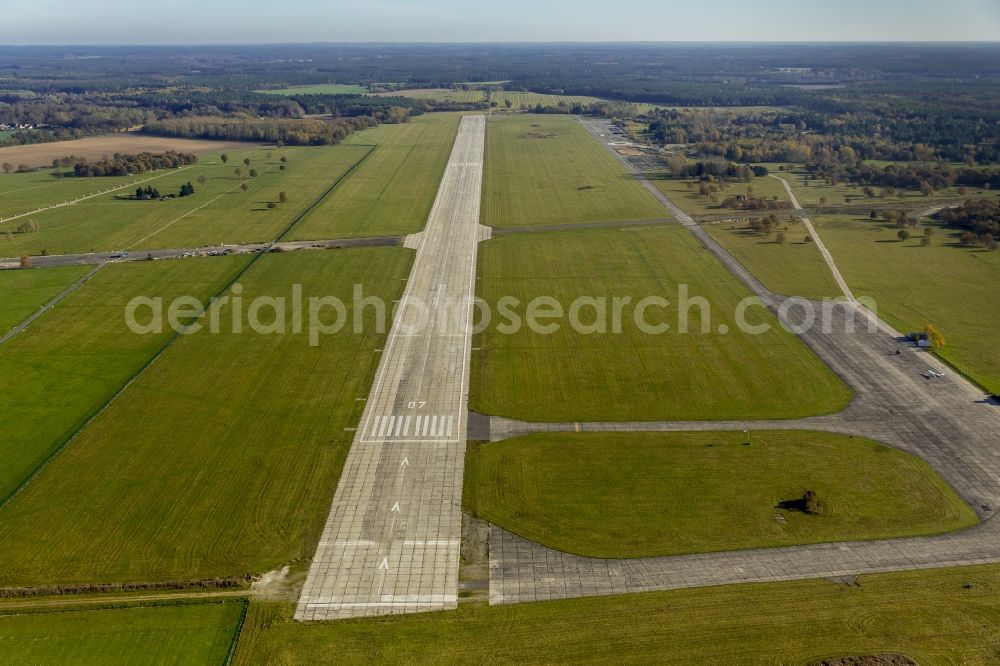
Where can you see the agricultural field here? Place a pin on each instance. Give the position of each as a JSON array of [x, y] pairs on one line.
[[526, 101], [96, 147], [650, 494], [438, 95], [546, 169], [174, 634], [219, 211], [221, 458], [24, 292], [944, 284], [632, 375], [72, 360], [319, 89], [529, 100], [934, 617], [792, 268], [393, 190]]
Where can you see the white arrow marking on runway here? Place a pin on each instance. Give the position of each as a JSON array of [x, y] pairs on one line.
[[384, 567], [392, 525], [406, 461]]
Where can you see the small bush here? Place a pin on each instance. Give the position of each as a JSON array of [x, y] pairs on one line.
[[812, 504]]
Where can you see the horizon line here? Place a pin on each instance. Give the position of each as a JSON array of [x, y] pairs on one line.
[[894, 42]]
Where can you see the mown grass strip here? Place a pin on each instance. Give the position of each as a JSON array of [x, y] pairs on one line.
[[84, 422]]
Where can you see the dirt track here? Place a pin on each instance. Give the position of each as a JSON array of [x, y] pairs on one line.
[[95, 147]]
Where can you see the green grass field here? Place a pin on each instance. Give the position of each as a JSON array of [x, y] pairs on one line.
[[946, 285], [181, 634], [631, 375], [222, 457], [809, 195], [23, 192], [928, 615], [685, 194], [649, 494], [393, 190], [319, 89], [219, 211], [24, 292], [793, 268], [73, 359], [519, 101], [544, 169]]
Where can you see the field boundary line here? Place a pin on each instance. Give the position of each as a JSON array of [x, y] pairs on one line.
[[190, 212], [54, 605], [171, 339], [178, 219], [344, 176], [91, 196], [37, 314], [236, 634], [103, 407]]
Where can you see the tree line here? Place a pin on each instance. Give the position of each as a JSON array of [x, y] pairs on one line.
[[270, 130], [127, 165], [912, 176]]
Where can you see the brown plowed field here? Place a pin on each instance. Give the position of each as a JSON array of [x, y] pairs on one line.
[[95, 147]]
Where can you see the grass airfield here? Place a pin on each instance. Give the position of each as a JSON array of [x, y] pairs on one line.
[[668, 375], [546, 170], [935, 617], [221, 457], [624, 495]]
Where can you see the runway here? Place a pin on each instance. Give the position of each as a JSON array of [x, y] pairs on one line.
[[392, 540]]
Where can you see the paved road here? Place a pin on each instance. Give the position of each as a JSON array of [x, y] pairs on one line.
[[392, 540], [945, 420], [49, 261]]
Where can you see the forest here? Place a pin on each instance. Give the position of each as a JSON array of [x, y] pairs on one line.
[[745, 103]]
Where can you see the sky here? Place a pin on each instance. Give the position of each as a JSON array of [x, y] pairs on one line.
[[261, 21]]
